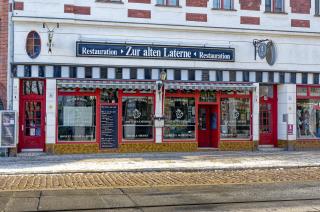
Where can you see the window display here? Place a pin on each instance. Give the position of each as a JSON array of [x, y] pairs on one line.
[[137, 117], [76, 118], [235, 118], [179, 118], [308, 118]]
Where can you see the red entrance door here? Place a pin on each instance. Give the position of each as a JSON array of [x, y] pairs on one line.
[[267, 117], [32, 115], [208, 126]]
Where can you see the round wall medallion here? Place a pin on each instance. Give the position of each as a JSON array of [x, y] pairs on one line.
[[271, 53], [33, 44]]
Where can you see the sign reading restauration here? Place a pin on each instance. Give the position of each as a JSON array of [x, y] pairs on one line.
[[90, 49]]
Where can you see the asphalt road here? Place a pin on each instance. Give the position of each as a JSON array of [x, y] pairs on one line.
[[302, 196]]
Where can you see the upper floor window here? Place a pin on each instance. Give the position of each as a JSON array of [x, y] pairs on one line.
[[168, 2], [223, 4], [317, 12], [276, 6]]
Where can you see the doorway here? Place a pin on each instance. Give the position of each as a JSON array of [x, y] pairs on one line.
[[32, 115], [268, 114], [208, 126]]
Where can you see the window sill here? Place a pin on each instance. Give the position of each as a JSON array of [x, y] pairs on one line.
[[171, 6], [276, 13], [109, 1], [224, 10]]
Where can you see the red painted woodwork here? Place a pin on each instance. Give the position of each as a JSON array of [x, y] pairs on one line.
[[32, 118], [208, 127], [268, 119]]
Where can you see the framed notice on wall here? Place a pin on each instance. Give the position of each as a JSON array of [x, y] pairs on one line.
[[8, 129]]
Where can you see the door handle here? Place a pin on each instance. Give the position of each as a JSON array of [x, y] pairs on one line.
[[22, 127]]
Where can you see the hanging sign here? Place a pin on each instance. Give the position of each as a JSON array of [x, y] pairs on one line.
[[90, 49]]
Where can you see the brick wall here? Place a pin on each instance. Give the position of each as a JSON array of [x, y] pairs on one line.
[[300, 23], [300, 6], [199, 17], [196, 3], [250, 20], [250, 4], [4, 9]]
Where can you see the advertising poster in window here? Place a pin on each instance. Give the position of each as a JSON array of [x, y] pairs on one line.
[[8, 129]]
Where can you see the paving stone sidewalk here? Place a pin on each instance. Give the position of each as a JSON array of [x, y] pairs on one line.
[[210, 160]]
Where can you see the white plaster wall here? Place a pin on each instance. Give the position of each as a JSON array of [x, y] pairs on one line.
[[51, 111], [174, 16], [297, 53], [158, 113], [15, 101], [286, 105], [255, 113]]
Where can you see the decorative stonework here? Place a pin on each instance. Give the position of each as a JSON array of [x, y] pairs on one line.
[[237, 146], [250, 20], [124, 148], [300, 23]]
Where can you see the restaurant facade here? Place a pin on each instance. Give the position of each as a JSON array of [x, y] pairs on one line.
[[87, 83]]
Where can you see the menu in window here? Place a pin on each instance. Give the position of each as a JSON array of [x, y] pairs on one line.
[[109, 126], [8, 123]]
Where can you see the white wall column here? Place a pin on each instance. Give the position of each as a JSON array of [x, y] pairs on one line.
[[255, 113], [15, 100], [51, 94], [287, 105], [158, 113]]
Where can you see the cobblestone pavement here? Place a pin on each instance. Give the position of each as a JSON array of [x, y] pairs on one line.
[[165, 178], [211, 160]]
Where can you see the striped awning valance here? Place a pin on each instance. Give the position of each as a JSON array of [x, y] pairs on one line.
[[209, 86], [92, 84]]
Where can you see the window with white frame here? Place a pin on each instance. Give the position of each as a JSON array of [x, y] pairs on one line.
[[223, 4], [276, 6], [317, 7], [168, 2]]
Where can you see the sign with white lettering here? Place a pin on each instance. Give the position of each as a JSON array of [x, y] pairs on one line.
[[90, 49]]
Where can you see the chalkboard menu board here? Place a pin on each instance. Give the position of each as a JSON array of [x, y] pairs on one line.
[[109, 126], [8, 129]]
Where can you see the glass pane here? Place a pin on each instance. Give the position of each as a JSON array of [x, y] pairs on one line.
[[109, 96], [266, 91], [202, 119], [76, 118], [208, 96], [315, 91], [268, 5], [235, 118], [308, 117], [227, 4], [216, 4], [278, 5], [172, 2], [137, 117], [302, 91], [179, 118]]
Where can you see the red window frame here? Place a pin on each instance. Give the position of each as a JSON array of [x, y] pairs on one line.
[[77, 92], [137, 93]]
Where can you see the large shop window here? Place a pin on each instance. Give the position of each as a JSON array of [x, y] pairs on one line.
[[137, 117], [76, 118], [179, 118], [235, 118], [308, 118], [308, 112]]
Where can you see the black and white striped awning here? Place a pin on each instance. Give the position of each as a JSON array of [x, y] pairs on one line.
[[209, 86], [93, 84]]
